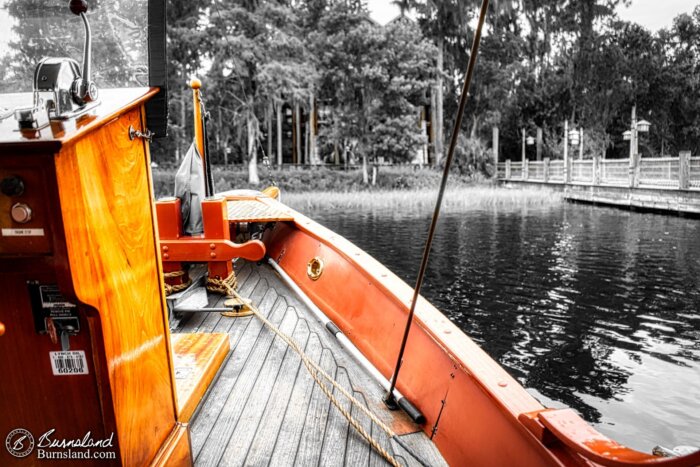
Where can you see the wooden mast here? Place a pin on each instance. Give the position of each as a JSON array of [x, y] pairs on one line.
[[196, 84], [200, 134]]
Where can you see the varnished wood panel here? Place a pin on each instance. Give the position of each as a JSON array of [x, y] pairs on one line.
[[176, 450], [197, 358], [106, 204]]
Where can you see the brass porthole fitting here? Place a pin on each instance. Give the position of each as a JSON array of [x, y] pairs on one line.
[[315, 268]]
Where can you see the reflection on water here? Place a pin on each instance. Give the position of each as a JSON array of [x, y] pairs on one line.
[[588, 307]]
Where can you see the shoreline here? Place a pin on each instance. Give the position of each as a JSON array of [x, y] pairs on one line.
[[396, 187], [476, 196]]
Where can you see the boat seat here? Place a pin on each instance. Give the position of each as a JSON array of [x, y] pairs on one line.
[[254, 209]]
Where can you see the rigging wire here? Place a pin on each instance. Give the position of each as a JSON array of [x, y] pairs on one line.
[[389, 398], [208, 179]]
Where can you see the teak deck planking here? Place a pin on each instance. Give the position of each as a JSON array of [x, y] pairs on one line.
[[266, 409]]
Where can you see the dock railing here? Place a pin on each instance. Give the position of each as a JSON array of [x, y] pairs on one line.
[[682, 172]]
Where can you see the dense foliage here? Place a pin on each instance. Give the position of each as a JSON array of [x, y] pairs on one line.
[[366, 92]]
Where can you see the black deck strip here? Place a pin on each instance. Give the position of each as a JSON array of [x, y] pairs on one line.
[[260, 451], [250, 420], [287, 441], [335, 441], [357, 451], [213, 405], [265, 408], [309, 450], [231, 403]]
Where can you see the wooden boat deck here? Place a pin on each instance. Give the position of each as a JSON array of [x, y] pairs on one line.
[[265, 409]]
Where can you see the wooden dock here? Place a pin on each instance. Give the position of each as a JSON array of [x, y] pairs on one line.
[[668, 184], [265, 409]]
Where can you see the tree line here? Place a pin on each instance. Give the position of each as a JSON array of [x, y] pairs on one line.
[[311, 81], [391, 91]]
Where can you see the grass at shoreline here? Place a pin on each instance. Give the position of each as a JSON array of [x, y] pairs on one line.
[[314, 179], [397, 187], [477, 196]]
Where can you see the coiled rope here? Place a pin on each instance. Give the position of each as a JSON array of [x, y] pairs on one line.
[[171, 289], [317, 373], [222, 286]]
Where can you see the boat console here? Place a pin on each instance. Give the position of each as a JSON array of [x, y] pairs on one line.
[[91, 375], [87, 361]]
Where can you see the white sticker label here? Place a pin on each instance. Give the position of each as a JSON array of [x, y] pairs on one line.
[[52, 298], [22, 232], [72, 362]]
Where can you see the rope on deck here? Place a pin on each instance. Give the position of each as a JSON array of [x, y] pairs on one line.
[[171, 289], [316, 373]]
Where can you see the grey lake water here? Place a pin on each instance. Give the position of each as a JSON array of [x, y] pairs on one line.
[[588, 307]]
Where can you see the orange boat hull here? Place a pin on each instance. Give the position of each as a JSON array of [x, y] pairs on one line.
[[476, 413]]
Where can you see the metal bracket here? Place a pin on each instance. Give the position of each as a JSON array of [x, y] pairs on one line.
[[147, 135]]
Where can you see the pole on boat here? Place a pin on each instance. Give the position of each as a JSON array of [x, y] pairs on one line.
[[389, 398], [200, 133], [196, 85]]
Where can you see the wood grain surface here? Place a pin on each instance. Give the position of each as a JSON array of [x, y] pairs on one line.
[[176, 450], [197, 358], [106, 203]]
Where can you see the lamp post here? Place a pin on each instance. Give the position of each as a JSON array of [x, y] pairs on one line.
[[567, 172], [576, 138], [526, 141], [632, 135]]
